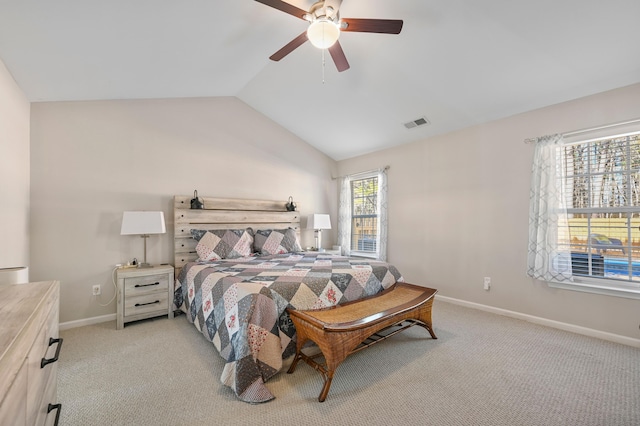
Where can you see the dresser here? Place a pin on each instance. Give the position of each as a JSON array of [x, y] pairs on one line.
[[29, 351], [144, 293]]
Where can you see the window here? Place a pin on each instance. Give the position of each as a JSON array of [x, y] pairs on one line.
[[585, 213], [364, 215], [602, 198]]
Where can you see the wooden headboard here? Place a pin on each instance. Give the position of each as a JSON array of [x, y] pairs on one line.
[[224, 213]]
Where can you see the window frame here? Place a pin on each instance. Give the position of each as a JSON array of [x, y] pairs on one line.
[[590, 284], [362, 253]]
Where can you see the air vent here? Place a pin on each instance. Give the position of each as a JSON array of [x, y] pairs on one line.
[[415, 123]]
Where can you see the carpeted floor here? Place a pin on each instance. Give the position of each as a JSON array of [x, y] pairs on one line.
[[484, 369]]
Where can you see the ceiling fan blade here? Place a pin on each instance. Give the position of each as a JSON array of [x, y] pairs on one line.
[[337, 54], [285, 7], [289, 47], [384, 26]]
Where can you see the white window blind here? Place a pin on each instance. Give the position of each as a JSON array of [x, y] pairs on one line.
[[602, 199]]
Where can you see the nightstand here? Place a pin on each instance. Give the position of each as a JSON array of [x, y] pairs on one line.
[[144, 293]]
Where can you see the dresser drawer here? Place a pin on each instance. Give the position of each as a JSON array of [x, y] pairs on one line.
[[39, 376], [141, 285], [50, 396], [134, 305], [13, 408]]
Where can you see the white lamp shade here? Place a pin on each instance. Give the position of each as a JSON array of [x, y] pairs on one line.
[[323, 33], [142, 223], [319, 221]]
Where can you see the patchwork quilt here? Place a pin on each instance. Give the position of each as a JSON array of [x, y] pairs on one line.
[[240, 306]]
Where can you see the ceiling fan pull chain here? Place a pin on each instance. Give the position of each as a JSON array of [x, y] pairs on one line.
[[323, 65]]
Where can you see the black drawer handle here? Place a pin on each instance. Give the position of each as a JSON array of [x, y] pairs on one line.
[[55, 357], [57, 407], [144, 304], [146, 285]]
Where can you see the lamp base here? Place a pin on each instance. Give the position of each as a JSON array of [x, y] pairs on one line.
[[145, 264], [319, 240]]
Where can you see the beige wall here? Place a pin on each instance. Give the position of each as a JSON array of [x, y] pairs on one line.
[[458, 212], [14, 173], [90, 161]]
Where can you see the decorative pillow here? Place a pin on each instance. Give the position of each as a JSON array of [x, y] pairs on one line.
[[223, 243], [276, 241]]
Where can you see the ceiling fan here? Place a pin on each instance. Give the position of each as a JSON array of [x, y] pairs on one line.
[[325, 27]]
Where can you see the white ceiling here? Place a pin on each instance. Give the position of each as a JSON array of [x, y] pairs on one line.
[[457, 62]]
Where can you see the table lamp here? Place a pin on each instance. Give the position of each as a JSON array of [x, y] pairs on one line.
[[143, 224], [319, 222]]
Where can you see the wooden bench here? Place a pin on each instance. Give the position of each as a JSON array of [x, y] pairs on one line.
[[342, 330]]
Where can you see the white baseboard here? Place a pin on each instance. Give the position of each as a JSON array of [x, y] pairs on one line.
[[87, 321], [616, 338]]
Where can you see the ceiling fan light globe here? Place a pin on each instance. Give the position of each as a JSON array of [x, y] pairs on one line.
[[323, 33]]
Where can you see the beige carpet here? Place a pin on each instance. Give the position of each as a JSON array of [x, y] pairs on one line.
[[484, 369]]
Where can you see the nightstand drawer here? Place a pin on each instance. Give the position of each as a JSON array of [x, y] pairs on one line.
[[141, 285], [134, 305]]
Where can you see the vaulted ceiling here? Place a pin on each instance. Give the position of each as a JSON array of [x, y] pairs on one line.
[[456, 62]]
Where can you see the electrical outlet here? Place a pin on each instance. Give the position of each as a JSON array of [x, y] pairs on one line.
[[96, 290], [487, 283]]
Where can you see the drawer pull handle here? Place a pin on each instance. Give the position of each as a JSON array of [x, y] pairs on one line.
[[147, 285], [57, 407], [150, 303], [55, 357]]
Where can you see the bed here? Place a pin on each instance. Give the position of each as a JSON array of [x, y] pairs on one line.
[[239, 265]]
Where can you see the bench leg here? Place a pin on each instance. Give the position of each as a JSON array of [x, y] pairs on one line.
[[336, 347], [325, 389], [326, 371], [432, 333], [428, 328], [332, 359], [299, 344], [423, 318], [292, 367]]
